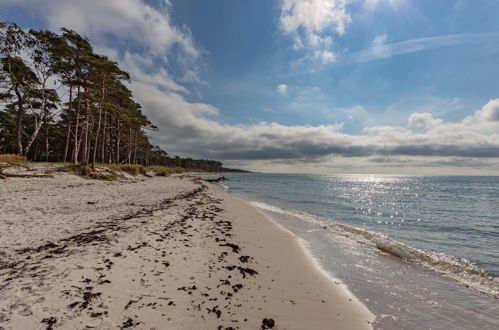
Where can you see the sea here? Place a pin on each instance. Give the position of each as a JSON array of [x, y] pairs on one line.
[[421, 252]]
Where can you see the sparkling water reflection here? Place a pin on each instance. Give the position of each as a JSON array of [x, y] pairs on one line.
[[455, 215], [451, 216]]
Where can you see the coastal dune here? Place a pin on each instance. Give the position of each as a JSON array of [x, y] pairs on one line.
[[158, 253]]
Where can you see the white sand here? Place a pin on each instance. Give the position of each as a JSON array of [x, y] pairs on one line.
[[152, 254]]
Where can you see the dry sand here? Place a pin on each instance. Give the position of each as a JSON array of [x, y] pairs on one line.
[[160, 253]]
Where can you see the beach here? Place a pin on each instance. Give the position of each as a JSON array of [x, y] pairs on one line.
[[156, 253]]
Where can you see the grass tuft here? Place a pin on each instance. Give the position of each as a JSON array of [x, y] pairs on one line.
[[13, 159], [132, 169], [87, 172], [166, 171]]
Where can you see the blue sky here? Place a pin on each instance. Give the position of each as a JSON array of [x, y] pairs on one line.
[[385, 86], [248, 57]]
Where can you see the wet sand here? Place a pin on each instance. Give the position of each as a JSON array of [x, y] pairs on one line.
[[159, 253]]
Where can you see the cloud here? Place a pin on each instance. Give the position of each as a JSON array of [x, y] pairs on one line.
[[490, 111], [416, 45], [282, 88], [324, 56], [125, 20], [423, 120], [380, 40], [136, 64], [185, 128], [140, 36], [312, 23], [197, 129]]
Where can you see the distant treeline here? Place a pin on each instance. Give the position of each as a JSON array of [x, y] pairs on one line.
[[62, 102]]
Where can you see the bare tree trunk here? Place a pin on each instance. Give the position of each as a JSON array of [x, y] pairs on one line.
[[135, 150], [68, 131], [84, 157], [78, 147], [103, 143], [129, 146], [118, 140], [111, 152], [19, 121], [38, 126], [46, 138], [77, 123], [96, 142]]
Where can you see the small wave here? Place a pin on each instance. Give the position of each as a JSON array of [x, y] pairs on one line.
[[461, 270]]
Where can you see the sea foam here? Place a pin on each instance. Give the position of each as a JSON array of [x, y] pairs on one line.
[[460, 270]]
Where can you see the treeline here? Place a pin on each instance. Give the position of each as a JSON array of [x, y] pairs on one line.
[[63, 102]]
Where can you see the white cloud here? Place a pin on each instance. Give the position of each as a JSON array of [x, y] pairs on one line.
[[185, 128], [126, 20], [132, 32], [192, 128], [416, 45], [325, 56], [423, 120], [282, 88], [490, 111], [136, 64], [311, 24], [380, 40]]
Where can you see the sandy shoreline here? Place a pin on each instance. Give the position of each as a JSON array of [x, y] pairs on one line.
[[160, 253]]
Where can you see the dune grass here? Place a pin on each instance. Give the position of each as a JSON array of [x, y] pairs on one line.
[[166, 171], [132, 169], [105, 172], [111, 172], [13, 159]]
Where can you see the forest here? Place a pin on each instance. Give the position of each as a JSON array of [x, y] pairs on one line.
[[62, 102]]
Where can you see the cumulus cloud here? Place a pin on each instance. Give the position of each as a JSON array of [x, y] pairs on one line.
[[126, 20], [140, 36], [490, 111], [282, 88], [312, 23], [423, 120], [196, 129], [186, 129]]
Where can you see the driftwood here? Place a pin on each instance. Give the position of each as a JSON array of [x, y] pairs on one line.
[[10, 175], [220, 179]]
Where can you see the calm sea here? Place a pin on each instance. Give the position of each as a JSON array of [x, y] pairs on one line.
[[421, 251]]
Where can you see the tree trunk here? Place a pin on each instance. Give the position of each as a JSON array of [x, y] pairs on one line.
[[78, 147], [38, 125], [19, 121], [135, 151], [118, 140], [129, 147], [110, 152], [96, 142], [103, 143], [84, 157], [68, 131], [46, 138], [77, 123]]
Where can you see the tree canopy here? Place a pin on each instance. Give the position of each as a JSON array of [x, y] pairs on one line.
[[63, 102]]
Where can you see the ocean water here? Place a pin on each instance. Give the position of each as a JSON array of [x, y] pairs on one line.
[[422, 252]]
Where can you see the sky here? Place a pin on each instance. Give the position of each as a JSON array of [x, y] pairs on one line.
[[304, 86]]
